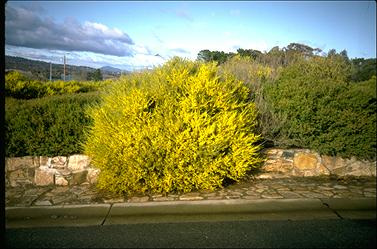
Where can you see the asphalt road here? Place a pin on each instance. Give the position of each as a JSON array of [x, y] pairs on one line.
[[332, 233]]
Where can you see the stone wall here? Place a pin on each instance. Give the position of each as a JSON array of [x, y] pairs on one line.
[[280, 163], [302, 162], [42, 171]]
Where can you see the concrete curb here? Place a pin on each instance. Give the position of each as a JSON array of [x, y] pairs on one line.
[[215, 206], [73, 215], [189, 211], [355, 208], [217, 210]]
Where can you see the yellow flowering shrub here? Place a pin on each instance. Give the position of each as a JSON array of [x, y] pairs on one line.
[[177, 128]]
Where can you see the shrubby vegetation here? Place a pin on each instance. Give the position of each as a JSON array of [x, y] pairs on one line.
[[95, 76], [309, 100], [21, 87], [317, 108], [196, 125], [47, 126], [363, 69], [178, 128], [255, 76], [46, 118]]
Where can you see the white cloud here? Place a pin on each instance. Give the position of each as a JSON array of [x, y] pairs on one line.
[[25, 28]]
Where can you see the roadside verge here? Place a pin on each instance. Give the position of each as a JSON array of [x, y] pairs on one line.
[[190, 211]]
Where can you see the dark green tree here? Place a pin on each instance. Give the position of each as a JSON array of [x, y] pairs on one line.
[[218, 56], [96, 75], [363, 69], [204, 55], [332, 52], [249, 52], [344, 54], [301, 48]]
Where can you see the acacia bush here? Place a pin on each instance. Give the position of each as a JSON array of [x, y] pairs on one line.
[[317, 108], [47, 126], [175, 129]]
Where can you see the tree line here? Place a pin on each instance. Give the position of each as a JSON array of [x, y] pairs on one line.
[[362, 69]]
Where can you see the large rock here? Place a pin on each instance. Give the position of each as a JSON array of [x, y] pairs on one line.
[[305, 161], [360, 168], [16, 163], [21, 177], [57, 162], [279, 166], [43, 161], [60, 180], [340, 163], [288, 155], [78, 177], [372, 169], [273, 153], [328, 162], [92, 176], [78, 162], [44, 176], [322, 170], [62, 177]]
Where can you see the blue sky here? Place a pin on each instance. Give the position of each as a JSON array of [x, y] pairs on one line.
[[137, 34]]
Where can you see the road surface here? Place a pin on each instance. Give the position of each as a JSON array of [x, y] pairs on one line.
[[322, 233]]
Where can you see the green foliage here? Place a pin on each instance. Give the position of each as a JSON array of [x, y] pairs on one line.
[[249, 52], [48, 126], [95, 76], [249, 71], [275, 58], [20, 87], [176, 128], [218, 56], [363, 69], [317, 109], [302, 49], [255, 76]]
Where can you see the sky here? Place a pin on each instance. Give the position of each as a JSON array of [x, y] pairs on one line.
[[142, 34]]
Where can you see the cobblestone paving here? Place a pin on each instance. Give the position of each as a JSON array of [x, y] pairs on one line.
[[283, 188]]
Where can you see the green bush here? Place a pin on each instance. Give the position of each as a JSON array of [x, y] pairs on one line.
[[48, 126], [255, 76], [20, 87], [317, 108], [177, 128], [363, 69]]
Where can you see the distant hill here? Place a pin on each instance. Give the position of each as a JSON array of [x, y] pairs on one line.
[[109, 69], [41, 70]]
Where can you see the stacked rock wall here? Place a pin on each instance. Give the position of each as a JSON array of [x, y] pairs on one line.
[[303, 162], [280, 163], [42, 171]]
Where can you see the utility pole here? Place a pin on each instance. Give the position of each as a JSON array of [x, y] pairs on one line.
[[50, 71], [64, 69]]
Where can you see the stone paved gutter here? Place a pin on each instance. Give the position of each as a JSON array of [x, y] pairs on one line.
[[284, 198], [252, 189]]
